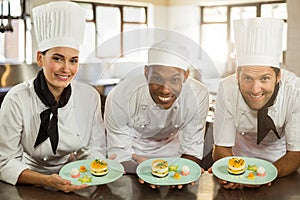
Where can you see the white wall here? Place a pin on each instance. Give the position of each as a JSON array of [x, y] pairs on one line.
[[293, 42]]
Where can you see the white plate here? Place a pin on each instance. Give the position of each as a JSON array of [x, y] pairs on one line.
[[115, 171], [144, 172], [219, 169]]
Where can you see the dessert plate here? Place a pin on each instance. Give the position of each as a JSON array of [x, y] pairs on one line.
[[115, 171], [219, 169], [144, 172]]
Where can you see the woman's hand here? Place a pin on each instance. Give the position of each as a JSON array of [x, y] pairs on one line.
[[53, 181], [56, 182]]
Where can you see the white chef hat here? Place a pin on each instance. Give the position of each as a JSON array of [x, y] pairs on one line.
[[167, 53], [59, 24], [258, 41]]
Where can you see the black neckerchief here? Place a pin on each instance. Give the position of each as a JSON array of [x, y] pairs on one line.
[[264, 121], [48, 127]]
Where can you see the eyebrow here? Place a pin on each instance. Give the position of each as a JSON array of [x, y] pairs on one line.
[[174, 75], [57, 54], [261, 75]]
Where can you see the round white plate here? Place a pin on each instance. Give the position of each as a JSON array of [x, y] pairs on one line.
[[219, 169], [115, 171], [144, 172]]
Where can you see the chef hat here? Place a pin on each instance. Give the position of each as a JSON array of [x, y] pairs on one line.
[[258, 41], [59, 24], [167, 53]]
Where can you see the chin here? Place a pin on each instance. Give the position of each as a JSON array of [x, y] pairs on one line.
[[165, 106]]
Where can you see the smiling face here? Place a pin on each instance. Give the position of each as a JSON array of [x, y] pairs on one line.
[[165, 84], [60, 65], [257, 84]]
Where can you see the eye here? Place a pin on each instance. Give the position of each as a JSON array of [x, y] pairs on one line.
[[265, 78], [156, 79], [57, 58], [175, 80], [74, 61], [247, 78]]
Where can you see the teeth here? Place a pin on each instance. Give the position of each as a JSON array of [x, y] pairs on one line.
[[164, 99], [61, 76], [256, 96]]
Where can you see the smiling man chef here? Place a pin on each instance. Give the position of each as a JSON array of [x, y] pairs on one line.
[[159, 114], [258, 108]]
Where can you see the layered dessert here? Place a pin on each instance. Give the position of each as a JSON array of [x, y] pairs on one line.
[[236, 166], [160, 168], [99, 167]]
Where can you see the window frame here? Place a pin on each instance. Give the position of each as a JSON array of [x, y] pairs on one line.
[[23, 16], [258, 6], [122, 21]]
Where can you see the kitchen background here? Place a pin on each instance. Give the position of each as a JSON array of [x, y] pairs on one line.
[[118, 33]]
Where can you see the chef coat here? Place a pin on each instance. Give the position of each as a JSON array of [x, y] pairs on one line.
[[80, 126], [135, 124], [235, 123]]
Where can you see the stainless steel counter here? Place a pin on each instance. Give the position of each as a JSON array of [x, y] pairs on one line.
[[128, 187]]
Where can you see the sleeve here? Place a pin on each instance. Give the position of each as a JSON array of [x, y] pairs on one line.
[[119, 136], [292, 125], [224, 130], [191, 136], [11, 149]]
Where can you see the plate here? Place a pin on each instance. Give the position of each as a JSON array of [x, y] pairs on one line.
[[115, 171], [219, 169], [144, 172]]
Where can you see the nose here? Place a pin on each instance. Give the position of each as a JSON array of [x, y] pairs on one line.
[[256, 86], [66, 66], [165, 88]]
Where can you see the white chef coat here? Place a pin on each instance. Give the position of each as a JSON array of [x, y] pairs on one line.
[[80, 126], [135, 124], [235, 123]]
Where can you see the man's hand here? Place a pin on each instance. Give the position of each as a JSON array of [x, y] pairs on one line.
[[138, 159], [229, 185]]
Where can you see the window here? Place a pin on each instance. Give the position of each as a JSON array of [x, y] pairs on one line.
[[106, 25], [217, 31], [12, 41]]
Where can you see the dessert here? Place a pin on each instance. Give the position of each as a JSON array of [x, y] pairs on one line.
[[173, 168], [75, 173], [252, 168], [185, 170], [85, 179], [176, 175], [236, 166], [251, 175], [82, 168], [160, 168], [99, 167], [261, 172]]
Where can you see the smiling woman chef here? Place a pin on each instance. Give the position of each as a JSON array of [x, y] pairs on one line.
[[48, 121], [160, 114]]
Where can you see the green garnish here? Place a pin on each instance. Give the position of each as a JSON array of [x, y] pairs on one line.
[[101, 162], [252, 168], [85, 179], [173, 168], [161, 164]]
